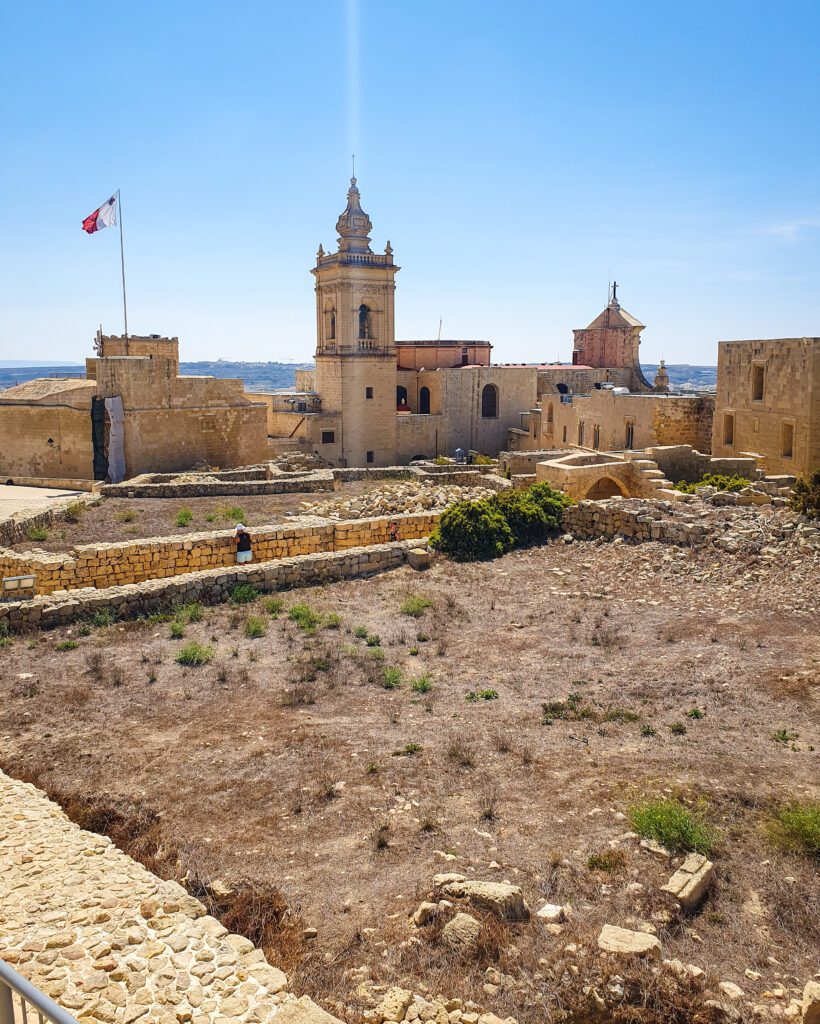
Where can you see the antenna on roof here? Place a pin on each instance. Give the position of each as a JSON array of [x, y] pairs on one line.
[[439, 328], [353, 159]]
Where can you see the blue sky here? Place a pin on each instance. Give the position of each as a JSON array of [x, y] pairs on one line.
[[515, 154]]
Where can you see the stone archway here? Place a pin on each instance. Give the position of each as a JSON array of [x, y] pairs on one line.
[[606, 487]]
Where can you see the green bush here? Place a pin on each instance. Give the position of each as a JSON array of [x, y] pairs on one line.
[[194, 655], [718, 480], [184, 517], [475, 695], [421, 684], [255, 627], [66, 645], [74, 512], [796, 828], [127, 515], [177, 630], [243, 593], [805, 496], [37, 533], [472, 531], [673, 825], [331, 621], [103, 617], [373, 640], [360, 632], [191, 612], [392, 678]]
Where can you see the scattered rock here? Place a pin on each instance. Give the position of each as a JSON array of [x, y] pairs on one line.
[[425, 912], [691, 881], [811, 1003], [461, 932], [551, 913], [624, 942], [731, 991], [505, 900], [394, 1005]]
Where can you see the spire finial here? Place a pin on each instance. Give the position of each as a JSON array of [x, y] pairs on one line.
[[613, 300], [353, 168]]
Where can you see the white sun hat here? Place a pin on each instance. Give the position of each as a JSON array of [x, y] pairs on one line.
[[239, 528]]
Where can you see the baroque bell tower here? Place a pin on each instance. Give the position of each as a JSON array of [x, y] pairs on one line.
[[356, 339]]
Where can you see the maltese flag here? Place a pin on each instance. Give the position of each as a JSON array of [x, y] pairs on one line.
[[105, 217]]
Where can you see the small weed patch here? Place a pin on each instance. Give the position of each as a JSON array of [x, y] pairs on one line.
[[360, 632], [407, 750], [331, 621], [796, 829], [37, 533], [103, 617], [184, 517], [392, 678], [194, 654], [421, 684], [74, 512], [620, 715], [672, 825], [305, 618], [678, 729], [67, 645], [177, 630], [273, 606], [243, 593], [255, 626], [573, 709], [695, 713], [607, 860], [461, 752], [373, 640], [784, 736], [127, 515], [473, 696], [648, 730], [415, 605]]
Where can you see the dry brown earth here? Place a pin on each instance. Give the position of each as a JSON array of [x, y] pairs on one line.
[[250, 782]]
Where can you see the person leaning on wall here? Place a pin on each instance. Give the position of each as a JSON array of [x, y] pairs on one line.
[[244, 552]]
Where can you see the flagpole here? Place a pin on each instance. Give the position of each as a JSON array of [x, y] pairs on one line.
[[122, 266]]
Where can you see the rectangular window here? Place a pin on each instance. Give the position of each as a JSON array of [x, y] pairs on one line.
[[729, 428], [581, 433], [630, 435], [370, 457], [758, 377], [328, 436], [368, 392], [787, 440]]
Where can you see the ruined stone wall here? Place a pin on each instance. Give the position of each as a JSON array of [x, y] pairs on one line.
[[210, 586], [107, 565], [321, 480], [683, 462], [684, 421]]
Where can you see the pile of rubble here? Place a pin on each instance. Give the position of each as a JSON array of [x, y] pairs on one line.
[[761, 492], [395, 499], [299, 462]]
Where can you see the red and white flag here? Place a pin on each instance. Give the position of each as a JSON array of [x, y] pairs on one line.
[[105, 217]]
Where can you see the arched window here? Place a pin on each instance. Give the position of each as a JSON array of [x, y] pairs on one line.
[[424, 400], [401, 395], [331, 327], [489, 402], [365, 323]]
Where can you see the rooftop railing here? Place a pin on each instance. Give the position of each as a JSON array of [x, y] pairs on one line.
[[21, 1002]]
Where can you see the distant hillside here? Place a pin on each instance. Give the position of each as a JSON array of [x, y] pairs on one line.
[[684, 373]]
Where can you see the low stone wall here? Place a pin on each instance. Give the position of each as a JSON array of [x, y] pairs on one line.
[[111, 942], [16, 528], [209, 587], [636, 519], [107, 565], [683, 462], [286, 483], [57, 483]]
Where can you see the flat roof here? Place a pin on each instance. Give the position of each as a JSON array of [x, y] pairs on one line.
[[44, 387]]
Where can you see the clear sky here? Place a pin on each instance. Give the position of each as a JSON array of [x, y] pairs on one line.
[[515, 154]]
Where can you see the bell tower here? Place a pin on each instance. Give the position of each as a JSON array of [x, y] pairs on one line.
[[356, 339]]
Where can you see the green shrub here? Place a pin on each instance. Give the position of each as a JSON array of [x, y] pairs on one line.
[[695, 713], [573, 709], [194, 655], [619, 715], [718, 480], [414, 650], [678, 729], [373, 640], [415, 605], [331, 621], [127, 515], [255, 627], [37, 533], [421, 684], [647, 730], [472, 531], [392, 678], [273, 606], [796, 828], [534, 514], [67, 645], [442, 460], [103, 617], [407, 750], [192, 612], [805, 496], [360, 632], [673, 825], [243, 593], [184, 517], [483, 460], [304, 617], [177, 630]]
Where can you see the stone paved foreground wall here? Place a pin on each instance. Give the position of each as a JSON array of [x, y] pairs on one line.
[[107, 565], [114, 944], [210, 587]]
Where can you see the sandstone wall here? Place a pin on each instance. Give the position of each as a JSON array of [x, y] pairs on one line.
[[45, 441], [682, 462], [210, 586], [107, 565]]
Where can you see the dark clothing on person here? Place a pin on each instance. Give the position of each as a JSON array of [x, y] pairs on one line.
[[243, 541]]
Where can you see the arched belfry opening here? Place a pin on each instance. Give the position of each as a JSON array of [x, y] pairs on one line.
[[365, 323]]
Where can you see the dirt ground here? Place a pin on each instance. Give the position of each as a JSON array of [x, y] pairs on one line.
[[121, 519], [285, 761]]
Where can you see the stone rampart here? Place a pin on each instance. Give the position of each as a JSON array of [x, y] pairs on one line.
[[112, 943], [211, 586]]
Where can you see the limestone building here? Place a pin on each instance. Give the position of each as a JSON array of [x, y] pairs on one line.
[[768, 403], [131, 414]]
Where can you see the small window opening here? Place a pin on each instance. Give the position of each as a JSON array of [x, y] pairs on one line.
[[328, 437], [758, 378], [371, 457], [368, 392], [728, 429], [787, 441]]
